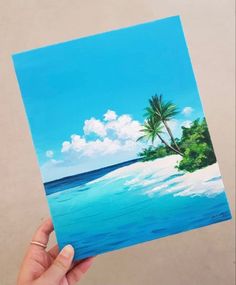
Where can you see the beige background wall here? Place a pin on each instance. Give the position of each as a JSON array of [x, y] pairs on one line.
[[199, 257]]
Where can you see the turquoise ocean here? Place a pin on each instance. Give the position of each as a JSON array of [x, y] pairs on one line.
[[133, 202]]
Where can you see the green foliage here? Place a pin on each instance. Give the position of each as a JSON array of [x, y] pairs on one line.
[[158, 113], [152, 153], [195, 144], [160, 110], [151, 129], [148, 154]]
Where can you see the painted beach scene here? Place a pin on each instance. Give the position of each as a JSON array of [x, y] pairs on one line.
[[121, 137]]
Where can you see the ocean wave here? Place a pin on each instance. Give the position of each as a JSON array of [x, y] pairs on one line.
[[161, 177], [158, 168], [206, 181]]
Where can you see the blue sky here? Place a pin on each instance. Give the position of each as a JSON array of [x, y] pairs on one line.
[[115, 73]]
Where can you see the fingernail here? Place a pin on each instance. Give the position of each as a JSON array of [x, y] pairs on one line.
[[67, 251]]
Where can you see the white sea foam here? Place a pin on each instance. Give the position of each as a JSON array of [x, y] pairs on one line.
[[156, 189], [156, 168], [205, 181], [138, 181], [161, 176]]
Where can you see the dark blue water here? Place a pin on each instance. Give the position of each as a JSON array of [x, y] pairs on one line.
[[82, 178], [135, 203]]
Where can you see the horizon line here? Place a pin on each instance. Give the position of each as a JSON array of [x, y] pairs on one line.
[[91, 171]]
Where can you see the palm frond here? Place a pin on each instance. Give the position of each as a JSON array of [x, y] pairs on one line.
[[151, 129], [160, 109]]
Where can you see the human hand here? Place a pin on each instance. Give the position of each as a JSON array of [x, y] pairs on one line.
[[41, 267]]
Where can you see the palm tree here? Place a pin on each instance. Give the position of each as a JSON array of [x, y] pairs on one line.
[[164, 112], [152, 129]]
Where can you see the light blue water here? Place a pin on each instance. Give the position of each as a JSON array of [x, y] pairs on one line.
[[115, 212]]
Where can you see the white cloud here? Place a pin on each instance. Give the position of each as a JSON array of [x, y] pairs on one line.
[[125, 128], [186, 124], [187, 111], [65, 146], [96, 148], [94, 126], [110, 115], [49, 153], [54, 161], [115, 135], [122, 127], [173, 124], [101, 147], [77, 143]]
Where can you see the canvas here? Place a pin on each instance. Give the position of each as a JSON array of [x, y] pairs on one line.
[[121, 137]]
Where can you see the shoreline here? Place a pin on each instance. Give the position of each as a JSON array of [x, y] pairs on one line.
[[82, 178]]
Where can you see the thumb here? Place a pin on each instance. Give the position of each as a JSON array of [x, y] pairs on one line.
[[59, 267]]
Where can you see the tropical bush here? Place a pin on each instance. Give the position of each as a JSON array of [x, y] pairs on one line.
[[152, 153], [194, 146]]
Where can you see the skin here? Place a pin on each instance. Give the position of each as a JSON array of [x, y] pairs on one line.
[[42, 267]]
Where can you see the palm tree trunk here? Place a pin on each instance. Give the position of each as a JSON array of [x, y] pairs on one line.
[[171, 135], [169, 146]]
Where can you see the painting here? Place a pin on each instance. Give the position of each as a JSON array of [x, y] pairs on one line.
[[121, 137]]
